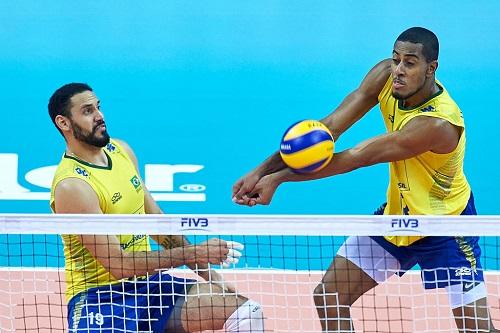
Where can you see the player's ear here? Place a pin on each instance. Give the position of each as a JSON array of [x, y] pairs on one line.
[[62, 123], [431, 68]]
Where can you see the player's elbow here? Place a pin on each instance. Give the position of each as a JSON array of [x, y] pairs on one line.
[[118, 273], [405, 147], [117, 270], [121, 266], [125, 272]]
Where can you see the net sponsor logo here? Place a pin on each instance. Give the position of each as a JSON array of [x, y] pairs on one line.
[[194, 223], [159, 179], [404, 224]]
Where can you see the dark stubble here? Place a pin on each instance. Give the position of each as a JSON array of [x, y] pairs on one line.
[[91, 138]]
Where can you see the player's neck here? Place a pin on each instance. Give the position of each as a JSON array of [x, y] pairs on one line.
[[87, 153]]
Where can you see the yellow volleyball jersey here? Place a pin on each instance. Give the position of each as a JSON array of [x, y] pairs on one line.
[[120, 191], [430, 183]]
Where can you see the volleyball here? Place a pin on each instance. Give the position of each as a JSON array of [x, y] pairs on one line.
[[307, 146]]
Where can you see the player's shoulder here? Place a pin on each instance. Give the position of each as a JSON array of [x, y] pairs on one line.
[[384, 65], [75, 195], [444, 97], [117, 146], [70, 188], [442, 104], [382, 69], [72, 185], [120, 143], [71, 167], [125, 147]]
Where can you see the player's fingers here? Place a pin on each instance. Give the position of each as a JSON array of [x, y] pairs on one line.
[[240, 198], [244, 200], [247, 185], [217, 241], [241, 192], [237, 186], [253, 198], [234, 245], [240, 201], [219, 247], [233, 253], [229, 262], [260, 200]]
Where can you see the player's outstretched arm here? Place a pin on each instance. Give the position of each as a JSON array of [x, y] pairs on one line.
[[420, 135], [352, 108]]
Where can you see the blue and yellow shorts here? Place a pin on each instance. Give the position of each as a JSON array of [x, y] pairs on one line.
[[141, 305], [444, 261]]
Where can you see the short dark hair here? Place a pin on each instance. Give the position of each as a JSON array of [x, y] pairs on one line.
[[422, 36], [60, 100]]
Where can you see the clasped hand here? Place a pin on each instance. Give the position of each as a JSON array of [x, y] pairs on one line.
[[253, 190]]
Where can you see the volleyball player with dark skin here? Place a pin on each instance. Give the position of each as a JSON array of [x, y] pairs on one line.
[[413, 81]]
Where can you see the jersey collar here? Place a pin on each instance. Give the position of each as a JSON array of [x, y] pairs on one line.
[[108, 167]]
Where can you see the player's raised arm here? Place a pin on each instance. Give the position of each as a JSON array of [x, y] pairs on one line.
[[352, 108]]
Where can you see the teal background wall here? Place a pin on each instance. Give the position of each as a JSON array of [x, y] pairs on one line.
[[216, 83]]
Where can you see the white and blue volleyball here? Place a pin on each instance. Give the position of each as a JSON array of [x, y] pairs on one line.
[[307, 146]]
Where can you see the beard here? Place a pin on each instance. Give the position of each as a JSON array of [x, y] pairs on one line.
[[91, 138]]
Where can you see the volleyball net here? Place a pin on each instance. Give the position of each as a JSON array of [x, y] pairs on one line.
[[281, 267]]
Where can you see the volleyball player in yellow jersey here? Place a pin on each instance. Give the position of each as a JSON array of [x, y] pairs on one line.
[[113, 283], [425, 145]]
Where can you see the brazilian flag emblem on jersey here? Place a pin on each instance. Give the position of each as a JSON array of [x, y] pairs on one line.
[[136, 182]]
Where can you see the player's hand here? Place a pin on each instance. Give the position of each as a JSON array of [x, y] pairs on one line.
[[243, 187], [263, 191], [218, 252], [214, 251]]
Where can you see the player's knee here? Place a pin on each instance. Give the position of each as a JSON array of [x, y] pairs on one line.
[[331, 294], [247, 318], [319, 294]]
